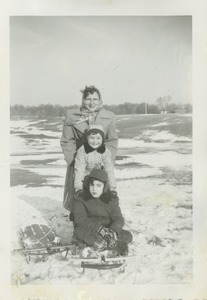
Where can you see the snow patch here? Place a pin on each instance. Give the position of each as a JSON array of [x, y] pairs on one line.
[[160, 124], [164, 135]]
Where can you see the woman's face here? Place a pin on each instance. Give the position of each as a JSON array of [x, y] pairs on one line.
[[92, 102], [95, 140], [96, 188]]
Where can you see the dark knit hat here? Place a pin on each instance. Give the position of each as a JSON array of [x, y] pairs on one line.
[[99, 174], [95, 129]]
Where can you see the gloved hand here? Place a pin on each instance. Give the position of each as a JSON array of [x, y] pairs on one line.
[[100, 244], [104, 232], [113, 234], [109, 235], [112, 242]]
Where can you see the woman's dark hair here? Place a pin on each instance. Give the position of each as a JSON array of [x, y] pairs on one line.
[[90, 90]]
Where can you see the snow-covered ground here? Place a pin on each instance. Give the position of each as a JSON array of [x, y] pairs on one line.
[[154, 180]]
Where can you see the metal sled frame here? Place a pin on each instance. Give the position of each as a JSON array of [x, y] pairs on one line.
[[100, 263], [38, 240]]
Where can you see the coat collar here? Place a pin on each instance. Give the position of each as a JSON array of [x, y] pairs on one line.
[[102, 114], [73, 118], [101, 149]]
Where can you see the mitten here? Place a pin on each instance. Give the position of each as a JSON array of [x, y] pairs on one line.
[[112, 241], [104, 232], [109, 235], [100, 244], [113, 234]]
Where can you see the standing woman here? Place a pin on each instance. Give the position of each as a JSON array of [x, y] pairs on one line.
[[75, 127]]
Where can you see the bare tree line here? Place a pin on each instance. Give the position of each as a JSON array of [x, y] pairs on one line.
[[162, 105]]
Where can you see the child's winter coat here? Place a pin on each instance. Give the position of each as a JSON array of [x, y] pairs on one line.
[[87, 159], [91, 214]]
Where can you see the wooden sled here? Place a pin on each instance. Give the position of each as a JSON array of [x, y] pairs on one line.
[[39, 241]]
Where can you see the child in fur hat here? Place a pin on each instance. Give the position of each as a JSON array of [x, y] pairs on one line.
[[98, 218], [93, 154]]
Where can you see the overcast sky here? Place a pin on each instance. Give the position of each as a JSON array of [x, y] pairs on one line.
[[130, 59]]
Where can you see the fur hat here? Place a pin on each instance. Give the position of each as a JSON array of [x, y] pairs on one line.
[[95, 129], [99, 174]]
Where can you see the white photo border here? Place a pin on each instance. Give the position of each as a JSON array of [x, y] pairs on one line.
[[198, 11]]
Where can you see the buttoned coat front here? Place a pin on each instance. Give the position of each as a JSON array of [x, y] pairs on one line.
[[74, 136]]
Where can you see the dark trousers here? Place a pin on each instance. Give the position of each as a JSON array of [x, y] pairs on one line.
[[125, 236]]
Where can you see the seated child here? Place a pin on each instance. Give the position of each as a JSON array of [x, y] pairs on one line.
[[93, 154], [98, 220]]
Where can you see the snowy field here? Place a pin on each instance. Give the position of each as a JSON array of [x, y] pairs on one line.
[[154, 180]]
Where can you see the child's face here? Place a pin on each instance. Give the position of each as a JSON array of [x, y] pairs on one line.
[[92, 101], [96, 188], [94, 140]]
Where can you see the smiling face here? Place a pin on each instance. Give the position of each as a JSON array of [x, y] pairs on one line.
[[92, 101], [96, 188], [94, 140]]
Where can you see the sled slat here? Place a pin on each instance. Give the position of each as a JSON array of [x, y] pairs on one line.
[[98, 259], [101, 266], [48, 234], [49, 248]]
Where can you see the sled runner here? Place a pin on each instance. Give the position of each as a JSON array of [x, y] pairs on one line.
[[39, 241]]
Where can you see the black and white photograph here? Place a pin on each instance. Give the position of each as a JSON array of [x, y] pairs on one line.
[[101, 150]]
